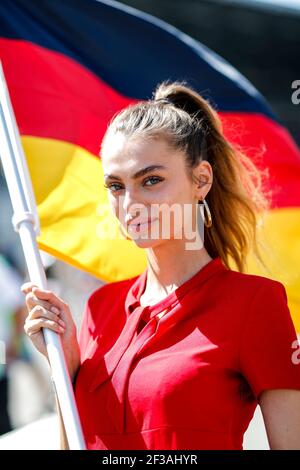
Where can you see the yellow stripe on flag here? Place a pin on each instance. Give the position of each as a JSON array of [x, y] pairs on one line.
[[279, 240]]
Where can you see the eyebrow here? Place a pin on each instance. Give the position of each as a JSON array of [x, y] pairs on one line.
[[139, 173]]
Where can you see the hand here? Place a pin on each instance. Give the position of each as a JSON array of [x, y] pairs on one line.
[[47, 310]]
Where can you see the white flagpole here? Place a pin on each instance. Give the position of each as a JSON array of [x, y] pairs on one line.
[[26, 223]]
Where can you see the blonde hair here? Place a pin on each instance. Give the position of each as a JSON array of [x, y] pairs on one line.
[[189, 123]]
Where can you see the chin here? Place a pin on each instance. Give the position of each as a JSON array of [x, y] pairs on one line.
[[147, 242]]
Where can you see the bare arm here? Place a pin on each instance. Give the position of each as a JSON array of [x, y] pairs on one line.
[[281, 412]]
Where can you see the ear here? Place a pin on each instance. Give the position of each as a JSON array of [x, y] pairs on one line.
[[203, 178]]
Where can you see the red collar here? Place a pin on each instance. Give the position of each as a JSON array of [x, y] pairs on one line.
[[137, 288]]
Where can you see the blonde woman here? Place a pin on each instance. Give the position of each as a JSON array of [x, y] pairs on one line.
[[179, 356]]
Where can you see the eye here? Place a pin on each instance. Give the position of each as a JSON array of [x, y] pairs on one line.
[[114, 187], [154, 179], [111, 186]]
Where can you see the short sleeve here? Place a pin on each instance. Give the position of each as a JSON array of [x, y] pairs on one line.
[[88, 327], [269, 342]]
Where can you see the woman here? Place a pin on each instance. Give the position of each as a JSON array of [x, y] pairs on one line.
[[180, 356]]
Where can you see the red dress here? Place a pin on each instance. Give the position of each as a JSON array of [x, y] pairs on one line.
[[191, 379]]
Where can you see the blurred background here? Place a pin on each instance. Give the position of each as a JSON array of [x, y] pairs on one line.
[[262, 40]]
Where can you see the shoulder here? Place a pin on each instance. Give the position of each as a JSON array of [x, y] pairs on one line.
[[112, 290], [245, 295], [260, 305], [106, 298], [252, 285]]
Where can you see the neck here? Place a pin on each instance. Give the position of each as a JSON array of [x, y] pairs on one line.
[[169, 266]]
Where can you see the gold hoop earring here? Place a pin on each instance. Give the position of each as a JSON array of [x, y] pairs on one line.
[[207, 215]]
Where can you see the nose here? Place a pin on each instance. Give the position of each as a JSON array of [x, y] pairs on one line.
[[130, 206]]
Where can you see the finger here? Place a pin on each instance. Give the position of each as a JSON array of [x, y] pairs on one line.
[[40, 312], [27, 287], [34, 326], [48, 295], [32, 301]]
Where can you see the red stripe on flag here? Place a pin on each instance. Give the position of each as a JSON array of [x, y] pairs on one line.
[[56, 97], [269, 143]]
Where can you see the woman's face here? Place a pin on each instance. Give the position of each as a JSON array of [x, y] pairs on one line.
[[149, 189]]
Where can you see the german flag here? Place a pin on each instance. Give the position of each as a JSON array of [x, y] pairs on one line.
[[70, 65]]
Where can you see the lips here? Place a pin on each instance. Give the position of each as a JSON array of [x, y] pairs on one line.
[[141, 223]]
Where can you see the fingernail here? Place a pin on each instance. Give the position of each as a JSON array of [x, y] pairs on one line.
[[62, 323], [55, 310], [62, 329]]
